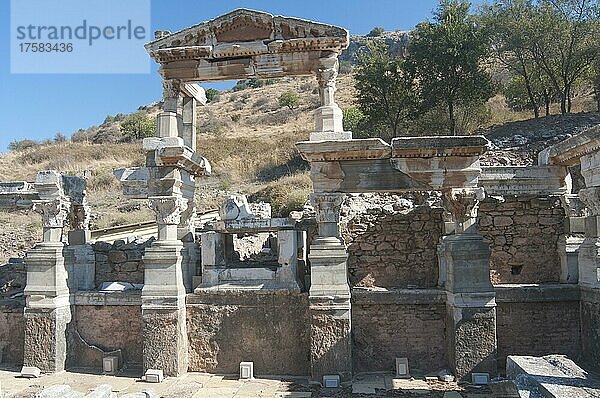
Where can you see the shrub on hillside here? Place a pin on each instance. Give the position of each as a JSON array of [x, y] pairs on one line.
[[354, 120], [21, 145], [138, 125], [376, 32], [212, 95], [290, 100]]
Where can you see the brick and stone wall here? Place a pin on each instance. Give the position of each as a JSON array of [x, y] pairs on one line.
[[590, 327], [538, 321], [523, 233], [406, 323], [106, 328], [120, 262], [272, 329], [392, 241], [12, 333]]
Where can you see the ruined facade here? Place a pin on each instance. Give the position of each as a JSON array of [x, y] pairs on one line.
[[412, 249]]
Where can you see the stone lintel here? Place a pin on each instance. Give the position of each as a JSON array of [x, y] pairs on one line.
[[533, 293], [256, 225], [183, 157], [569, 151], [356, 149], [518, 180], [439, 146], [107, 299], [471, 300]]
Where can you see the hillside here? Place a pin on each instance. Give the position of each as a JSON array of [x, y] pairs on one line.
[[249, 139]]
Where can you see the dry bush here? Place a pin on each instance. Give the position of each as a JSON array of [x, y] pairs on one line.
[[287, 194]]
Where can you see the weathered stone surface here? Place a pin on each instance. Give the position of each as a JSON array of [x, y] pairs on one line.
[[384, 330], [270, 329], [108, 328], [331, 345], [553, 376], [45, 338], [395, 248], [523, 232], [590, 326], [168, 354], [12, 333], [120, 262], [538, 328]]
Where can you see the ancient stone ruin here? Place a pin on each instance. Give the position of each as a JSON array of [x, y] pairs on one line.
[[410, 249]]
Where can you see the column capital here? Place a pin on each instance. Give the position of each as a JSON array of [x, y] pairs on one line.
[[171, 92], [327, 208], [54, 212], [168, 209], [462, 203]]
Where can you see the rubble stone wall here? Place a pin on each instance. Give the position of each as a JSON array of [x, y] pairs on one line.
[[392, 245], [12, 334], [523, 233], [107, 328], [272, 329], [120, 262], [538, 328], [390, 325]]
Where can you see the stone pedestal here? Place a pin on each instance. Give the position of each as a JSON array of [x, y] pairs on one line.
[[589, 251], [48, 310], [471, 305], [163, 309]]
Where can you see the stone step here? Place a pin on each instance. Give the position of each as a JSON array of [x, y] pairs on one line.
[[103, 391], [551, 376], [59, 391]]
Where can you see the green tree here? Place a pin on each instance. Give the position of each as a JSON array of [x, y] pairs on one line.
[[447, 55], [376, 32], [290, 100], [354, 120], [212, 94], [387, 94], [509, 24], [138, 125], [595, 80], [566, 43]]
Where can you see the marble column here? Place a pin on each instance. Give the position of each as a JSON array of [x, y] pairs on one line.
[[470, 303], [48, 310], [328, 117], [329, 296], [168, 122], [163, 296]]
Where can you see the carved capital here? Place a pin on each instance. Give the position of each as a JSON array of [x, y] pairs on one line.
[[326, 75], [462, 203], [171, 88], [168, 209], [591, 198], [327, 207], [54, 212]]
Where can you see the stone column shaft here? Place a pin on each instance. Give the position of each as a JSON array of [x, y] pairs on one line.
[[330, 310], [470, 303], [189, 118], [168, 121], [48, 310]]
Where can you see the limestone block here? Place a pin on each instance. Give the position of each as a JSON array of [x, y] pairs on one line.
[[517, 180], [329, 274], [168, 355], [213, 249], [103, 391], [467, 258], [589, 262], [329, 119], [30, 372], [568, 251], [590, 169], [235, 208], [134, 181], [163, 275]]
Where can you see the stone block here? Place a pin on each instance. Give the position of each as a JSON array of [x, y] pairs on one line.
[[30, 372], [154, 376], [246, 370], [329, 119], [79, 237], [402, 369], [331, 381], [480, 379], [110, 364], [103, 391]]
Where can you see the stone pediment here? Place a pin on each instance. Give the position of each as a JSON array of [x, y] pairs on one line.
[[234, 41]]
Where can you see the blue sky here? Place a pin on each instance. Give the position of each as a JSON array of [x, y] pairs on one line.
[[38, 106]]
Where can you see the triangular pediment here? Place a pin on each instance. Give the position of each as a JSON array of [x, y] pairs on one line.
[[248, 26]]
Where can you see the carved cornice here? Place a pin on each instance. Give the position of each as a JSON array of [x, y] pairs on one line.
[[591, 198]]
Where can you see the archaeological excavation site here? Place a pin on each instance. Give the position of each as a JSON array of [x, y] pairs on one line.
[[411, 260]]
